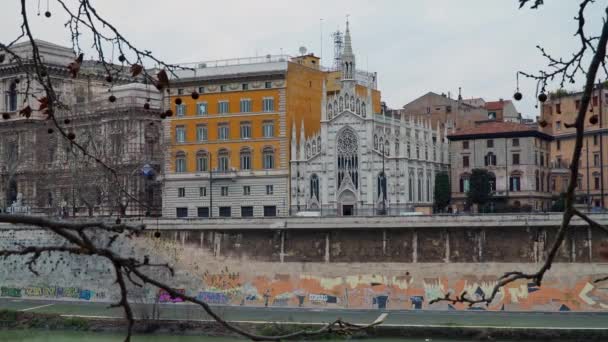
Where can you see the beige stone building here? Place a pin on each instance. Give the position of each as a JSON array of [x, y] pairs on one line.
[[560, 109], [43, 173], [516, 155]]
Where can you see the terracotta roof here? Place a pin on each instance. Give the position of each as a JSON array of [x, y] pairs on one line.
[[494, 127], [495, 105]]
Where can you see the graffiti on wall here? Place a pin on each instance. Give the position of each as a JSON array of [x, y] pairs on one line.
[[51, 292]]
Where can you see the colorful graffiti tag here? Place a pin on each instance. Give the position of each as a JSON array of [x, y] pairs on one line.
[[50, 292]]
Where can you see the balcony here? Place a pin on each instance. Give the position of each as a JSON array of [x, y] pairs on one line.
[[560, 166]]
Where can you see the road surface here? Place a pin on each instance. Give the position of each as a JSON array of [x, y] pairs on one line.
[[182, 311]]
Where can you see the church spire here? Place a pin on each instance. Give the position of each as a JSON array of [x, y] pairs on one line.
[[348, 57]]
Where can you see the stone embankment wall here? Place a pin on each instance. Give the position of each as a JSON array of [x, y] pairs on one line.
[[392, 263]]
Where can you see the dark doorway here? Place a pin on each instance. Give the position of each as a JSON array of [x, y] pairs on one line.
[[348, 210]]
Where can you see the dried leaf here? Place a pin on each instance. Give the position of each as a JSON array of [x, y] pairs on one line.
[[136, 69]]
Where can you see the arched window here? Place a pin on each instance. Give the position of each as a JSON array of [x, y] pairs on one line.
[[352, 103], [314, 146], [268, 158], [417, 151], [329, 111], [202, 161], [515, 181], [223, 160], [410, 187], [346, 102], [11, 98], [375, 142], [180, 162], [381, 186], [387, 148], [358, 108], [245, 159], [428, 188], [381, 147], [348, 159], [314, 186], [426, 153], [363, 109], [318, 144], [336, 111], [537, 180], [420, 187], [397, 147], [490, 159], [465, 183], [341, 101], [542, 181], [409, 150], [308, 150]]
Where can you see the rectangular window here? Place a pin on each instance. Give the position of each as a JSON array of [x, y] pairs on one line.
[[595, 139], [515, 158], [596, 182], [202, 211], [225, 212], [269, 189], [180, 91], [246, 130], [245, 161], [268, 128], [223, 132], [268, 104], [558, 125], [180, 134], [268, 85], [465, 145], [201, 90], [595, 101], [181, 192], [223, 163], [490, 143], [558, 108], [542, 159], [246, 190], [223, 87], [223, 107], [515, 142], [202, 191], [224, 191], [180, 109], [245, 105], [270, 211], [247, 211], [596, 159], [245, 86], [558, 144], [201, 108], [181, 212], [201, 132], [465, 161]]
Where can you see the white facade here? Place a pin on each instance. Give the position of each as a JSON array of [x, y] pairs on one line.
[[342, 168]]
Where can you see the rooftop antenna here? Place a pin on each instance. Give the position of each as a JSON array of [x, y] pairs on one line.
[[338, 41], [321, 32]]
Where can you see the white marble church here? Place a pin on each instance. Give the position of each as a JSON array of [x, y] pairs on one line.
[[364, 163]]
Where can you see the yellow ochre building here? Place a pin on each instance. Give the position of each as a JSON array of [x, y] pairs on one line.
[[229, 138]]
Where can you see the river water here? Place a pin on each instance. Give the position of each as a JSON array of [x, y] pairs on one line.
[[71, 336]]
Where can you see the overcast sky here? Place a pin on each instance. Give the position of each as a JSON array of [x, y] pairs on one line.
[[415, 46]]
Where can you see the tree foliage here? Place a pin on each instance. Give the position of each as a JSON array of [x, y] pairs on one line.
[[443, 194], [480, 191]]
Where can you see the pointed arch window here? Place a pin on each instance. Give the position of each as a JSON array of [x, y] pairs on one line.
[[358, 107], [318, 144], [314, 186], [363, 109], [329, 111], [397, 147], [348, 159], [375, 142], [410, 187], [381, 186], [352, 103], [341, 101]]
